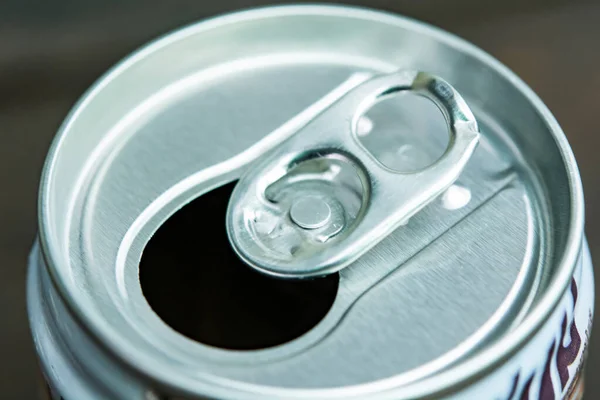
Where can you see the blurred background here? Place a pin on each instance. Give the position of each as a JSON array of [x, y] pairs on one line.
[[52, 50]]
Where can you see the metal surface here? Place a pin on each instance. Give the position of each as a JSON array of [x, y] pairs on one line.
[[447, 297], [373, 200], [310, 212]]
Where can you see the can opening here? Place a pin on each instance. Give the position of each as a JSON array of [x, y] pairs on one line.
[[406, 132], [194, 281]]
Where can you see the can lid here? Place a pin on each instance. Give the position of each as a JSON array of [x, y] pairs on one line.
[[450, 292], [295, 214]]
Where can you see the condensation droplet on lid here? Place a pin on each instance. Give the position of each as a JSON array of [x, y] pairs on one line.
[[333, 171], [264, 223], [404, 150], [364, 126], [456, 197]]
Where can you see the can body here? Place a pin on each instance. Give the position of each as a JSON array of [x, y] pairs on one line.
[[495, 294], [550, 366]]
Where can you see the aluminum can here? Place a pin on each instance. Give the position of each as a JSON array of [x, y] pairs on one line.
[[144, 285]]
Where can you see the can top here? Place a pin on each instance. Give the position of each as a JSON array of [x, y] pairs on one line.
[[447, 295]]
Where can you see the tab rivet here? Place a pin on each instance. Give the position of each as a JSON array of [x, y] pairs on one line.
[[310, 212]]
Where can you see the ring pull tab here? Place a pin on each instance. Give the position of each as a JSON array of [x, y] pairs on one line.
[[321, 200]]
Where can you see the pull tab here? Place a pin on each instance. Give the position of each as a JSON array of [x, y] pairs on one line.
[[321, 200]]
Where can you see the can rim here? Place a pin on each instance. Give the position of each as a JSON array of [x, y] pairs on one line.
[[474, 367]]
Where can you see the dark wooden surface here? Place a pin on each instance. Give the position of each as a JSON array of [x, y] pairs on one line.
[[51, 51]]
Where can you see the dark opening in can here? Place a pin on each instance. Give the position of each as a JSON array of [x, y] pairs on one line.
[[195, 282]]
